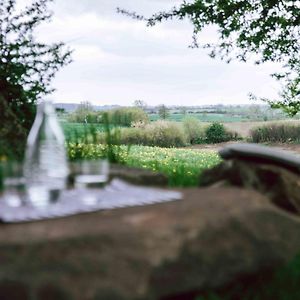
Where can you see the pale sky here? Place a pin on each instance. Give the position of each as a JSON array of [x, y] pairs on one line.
[[118, 60]]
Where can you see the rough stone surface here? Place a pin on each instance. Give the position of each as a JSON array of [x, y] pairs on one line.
[[138, 176], [14, 290], [280, 185], [262, 154], [207, 240]]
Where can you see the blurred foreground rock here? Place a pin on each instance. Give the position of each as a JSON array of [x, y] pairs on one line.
[[272, 172], [209, 240], [281, 186]]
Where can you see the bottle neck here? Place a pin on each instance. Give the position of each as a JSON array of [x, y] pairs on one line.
[[46, 108]]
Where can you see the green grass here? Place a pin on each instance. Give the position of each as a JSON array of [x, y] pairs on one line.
[[182, 166], [211, 117], [79, 129]]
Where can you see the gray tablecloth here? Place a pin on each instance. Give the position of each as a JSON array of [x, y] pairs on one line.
[[115, 195]]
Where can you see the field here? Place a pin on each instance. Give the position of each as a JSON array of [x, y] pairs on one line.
[[77, 130], [182, 166], [203, 117], [226, 114], [242, 128]]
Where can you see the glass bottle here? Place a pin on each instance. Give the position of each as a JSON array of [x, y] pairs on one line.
[[45, 166]]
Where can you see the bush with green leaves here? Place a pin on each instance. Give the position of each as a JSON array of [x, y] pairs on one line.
[[91, 117], [165, 134], [194, 130], [84, 113], [27, 67], [134, 136], [217, 133]]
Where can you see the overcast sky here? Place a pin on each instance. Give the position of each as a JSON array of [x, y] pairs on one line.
[[118, 60]]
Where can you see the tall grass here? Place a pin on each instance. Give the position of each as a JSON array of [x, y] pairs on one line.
[[194, 130], [274, 133], [159, 133]]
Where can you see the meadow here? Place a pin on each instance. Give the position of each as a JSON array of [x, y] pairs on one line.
[[203, 117], [182, 166], [243, 128]]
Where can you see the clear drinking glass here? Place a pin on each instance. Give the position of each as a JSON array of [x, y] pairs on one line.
[[92, 173], [13, 183]]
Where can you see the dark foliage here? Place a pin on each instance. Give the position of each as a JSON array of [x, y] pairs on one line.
[[217, 133], [26, 70]]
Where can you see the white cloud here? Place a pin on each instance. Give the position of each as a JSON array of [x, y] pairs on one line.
[[118, 60]]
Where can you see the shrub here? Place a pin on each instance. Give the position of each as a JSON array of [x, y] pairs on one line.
[[138, 124], [194, 130], [90, 117], [217, 133], [165, 134], [133, 136], [276, 133], [84, 113], [126, 116], [160, 133]]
